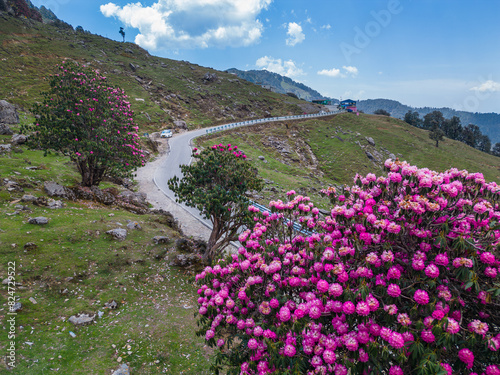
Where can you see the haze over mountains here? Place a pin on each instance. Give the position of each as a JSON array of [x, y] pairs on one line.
[[489, 123]]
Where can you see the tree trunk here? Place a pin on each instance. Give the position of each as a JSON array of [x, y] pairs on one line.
[[91, 175]]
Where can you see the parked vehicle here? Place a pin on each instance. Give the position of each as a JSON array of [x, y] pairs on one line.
[[166, 133]]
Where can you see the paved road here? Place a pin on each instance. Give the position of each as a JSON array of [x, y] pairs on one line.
[[181, 149]]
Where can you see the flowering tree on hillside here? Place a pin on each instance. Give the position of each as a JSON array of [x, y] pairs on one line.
[[400, 278], [84, 118], [216, 184]]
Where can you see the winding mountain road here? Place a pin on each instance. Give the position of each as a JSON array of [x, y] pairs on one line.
[[153, 177]]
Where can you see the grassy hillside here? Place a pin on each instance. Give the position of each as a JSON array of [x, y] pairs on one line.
[[309, 155], [161, 90], [77, 268]]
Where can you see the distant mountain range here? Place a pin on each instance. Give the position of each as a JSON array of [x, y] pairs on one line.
[[489, 123], [277, 83]]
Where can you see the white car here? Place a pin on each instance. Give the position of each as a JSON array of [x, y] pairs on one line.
[[166, 133]]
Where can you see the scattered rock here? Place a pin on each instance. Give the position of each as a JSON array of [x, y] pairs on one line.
[[262, 157], [392, 156], [370, 141], [53, 204], [8, 113], [180, 124], [40, 220], [53, 189], [160, 239], [210, 77], [81, 319], [64, 291], [134, 225], [32, 300], [28, 198], [72, 334], [123, 370], [111, 305], [185, 260], [5, 129], [5, 148], [30, 246], [18, 139], [324, 212], [137, 199], [133, 67], [101, 196], [369, 155], [16, 307], [118, 234], [168, 219], [41, 201]]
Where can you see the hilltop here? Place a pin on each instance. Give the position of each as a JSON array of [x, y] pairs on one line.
[[277, 83], [162, 91]]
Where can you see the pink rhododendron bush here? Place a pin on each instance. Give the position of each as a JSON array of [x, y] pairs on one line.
[[400, 278]]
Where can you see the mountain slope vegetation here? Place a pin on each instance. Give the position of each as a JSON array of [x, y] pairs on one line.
[[489, 123], [278, 83], [310, 155], [161, 90]]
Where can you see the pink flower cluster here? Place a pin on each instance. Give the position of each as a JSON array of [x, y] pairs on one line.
[[374, 273]]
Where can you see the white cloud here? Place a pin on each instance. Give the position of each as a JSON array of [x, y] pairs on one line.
[[285, 68], [487, 86], [330, 73], [351, 71], [295, 34], [192, 23], [326, 27]]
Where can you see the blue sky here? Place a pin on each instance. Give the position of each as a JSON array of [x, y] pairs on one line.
[[420, 52]]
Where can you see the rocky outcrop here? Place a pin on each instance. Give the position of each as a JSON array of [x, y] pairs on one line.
[[40, 220], [180, 124], [8, 113], [5, 129], [18, 139], [118, 234]]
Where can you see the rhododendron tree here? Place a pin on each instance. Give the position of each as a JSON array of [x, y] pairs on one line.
[[400, 278], [83, 117], [216, 184]]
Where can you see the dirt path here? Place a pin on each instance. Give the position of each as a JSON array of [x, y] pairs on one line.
[[144, 177]]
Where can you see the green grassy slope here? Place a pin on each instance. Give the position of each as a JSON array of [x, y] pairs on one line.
[[166, 90], [77, 268], [332, 150]]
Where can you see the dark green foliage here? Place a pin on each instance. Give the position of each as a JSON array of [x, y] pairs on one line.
[[413, 119], [433, 119], [83, 118], [484, 143], [452, 128], [470, 135], [496, 149], [382, 112], [216, 185], [487, 122], [436, 134]]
